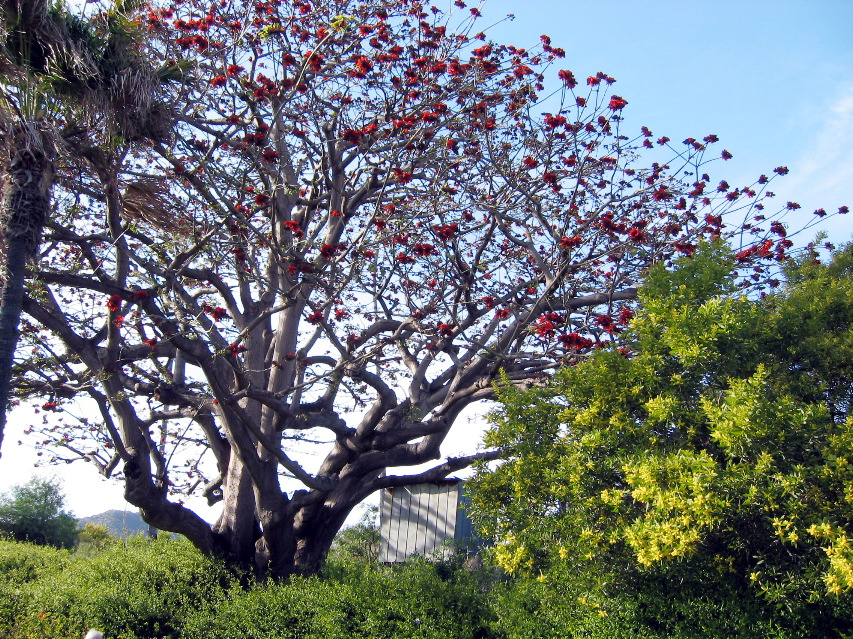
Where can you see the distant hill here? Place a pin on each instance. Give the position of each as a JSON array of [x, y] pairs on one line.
[[120, 523]]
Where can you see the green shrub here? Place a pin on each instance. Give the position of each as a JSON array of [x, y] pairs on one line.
[[659, 606], [138, 589], [20, 564], [353, 602]]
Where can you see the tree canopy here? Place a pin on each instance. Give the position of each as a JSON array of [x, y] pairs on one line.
[[69, 84], [34, 512], [363, 216], [713, 445]]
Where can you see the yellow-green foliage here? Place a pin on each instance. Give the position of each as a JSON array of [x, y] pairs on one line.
[[720, 443]]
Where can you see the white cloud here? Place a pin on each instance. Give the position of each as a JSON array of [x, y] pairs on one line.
[[822, 175]]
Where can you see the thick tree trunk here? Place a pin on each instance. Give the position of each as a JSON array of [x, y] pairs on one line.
[[25, 206], [237, 526]]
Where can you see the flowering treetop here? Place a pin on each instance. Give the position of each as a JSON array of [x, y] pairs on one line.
[[364, 208]]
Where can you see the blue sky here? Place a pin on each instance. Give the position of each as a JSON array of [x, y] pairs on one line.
[[774, 80]]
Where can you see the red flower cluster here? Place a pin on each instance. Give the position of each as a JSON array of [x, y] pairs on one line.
[[315, 318], [233, 349], [553, 121], [269, 156], [217, 313], [294, 228], [568, 78], [617, 103], [636, 235], [575, 341], [363, 66], [327, 251], [424, 250], [606, 322], [114, 303], [315, 60], [446, 232], [403, 177], [570, 242], [777, 228], [546, 324]]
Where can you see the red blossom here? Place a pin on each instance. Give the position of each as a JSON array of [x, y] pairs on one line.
[[403, 177], [363, 66], [315, 318], [781, 170], [234, 348], [570, 242], [553, 121], [617, 103], [114, 303], [778, 228], [636, 235], [727, 155], [568, 78], [544, 328], [219, 81], [424, 250], [446, 232], [575, 341]]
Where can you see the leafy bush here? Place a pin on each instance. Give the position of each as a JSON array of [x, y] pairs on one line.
[[164, 588], [354, 602], [21, 564], [138, 589]]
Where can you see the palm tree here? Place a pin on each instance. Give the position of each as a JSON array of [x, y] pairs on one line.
[[50, 57]]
